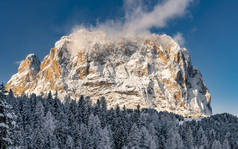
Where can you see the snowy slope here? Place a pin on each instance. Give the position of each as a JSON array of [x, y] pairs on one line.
[[150, 70]]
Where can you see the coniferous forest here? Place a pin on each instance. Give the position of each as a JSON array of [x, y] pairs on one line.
[[36, 122]]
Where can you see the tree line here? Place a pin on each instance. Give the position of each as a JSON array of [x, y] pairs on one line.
[[38, 122]]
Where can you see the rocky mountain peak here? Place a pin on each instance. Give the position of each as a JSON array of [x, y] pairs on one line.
[[31, 63], [151, 70]]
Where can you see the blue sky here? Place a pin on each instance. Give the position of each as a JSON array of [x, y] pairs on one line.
[[210, 29]]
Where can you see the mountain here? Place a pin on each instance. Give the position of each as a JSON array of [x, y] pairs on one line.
[[150, 69]]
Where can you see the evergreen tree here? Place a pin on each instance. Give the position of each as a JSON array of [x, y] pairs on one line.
[[216, 145], [146, 141], [49, 124], [226, 144], [188, 138], [199, 135], [38, 125], [28, 137], [134, 137], [81, 115], [49, 96], [103, 115], [69, 142], [174, 140], [7, 121], [118, 128], [84, 136], [106, 139], [4, 142], [94, 127], [38, 115], [27, 118], [204, 141], [76, 134], [38, 139], [61, 129]]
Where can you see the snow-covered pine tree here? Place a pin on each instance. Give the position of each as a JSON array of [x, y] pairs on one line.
[[146, 141], [94, 127], [38, 125], [49, 124], [106, 139], [118, 127], [28, 137], [76, 134], [226, 144], [204, 141], [134, 137], [198, 136], [7, 121], [188, 140], [216, 145], [174, 140], [69, 142], [81, 110], [3, 121], [48, 130], [84, 136], [39, 115], [61, 129], [103, 112]]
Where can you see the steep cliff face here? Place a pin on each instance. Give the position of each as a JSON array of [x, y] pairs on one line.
[[27, 72], [150, 70]]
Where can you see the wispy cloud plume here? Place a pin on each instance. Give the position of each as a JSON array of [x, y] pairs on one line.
[[140, 20]]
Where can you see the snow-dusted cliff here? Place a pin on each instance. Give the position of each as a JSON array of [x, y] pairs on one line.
[[150, 70]]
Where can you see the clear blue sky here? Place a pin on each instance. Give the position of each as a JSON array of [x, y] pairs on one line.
[[210, 30]]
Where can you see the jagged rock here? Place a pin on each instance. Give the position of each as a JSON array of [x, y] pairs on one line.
[[150, 70]]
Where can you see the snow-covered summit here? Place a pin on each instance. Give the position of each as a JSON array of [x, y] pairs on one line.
[[150, 69], [31, 63]]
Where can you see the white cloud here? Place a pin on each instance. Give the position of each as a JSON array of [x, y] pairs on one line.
[[138, 20], [178, 37]]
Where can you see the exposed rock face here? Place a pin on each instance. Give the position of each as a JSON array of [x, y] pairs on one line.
[[150, 70], [27, 72]]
